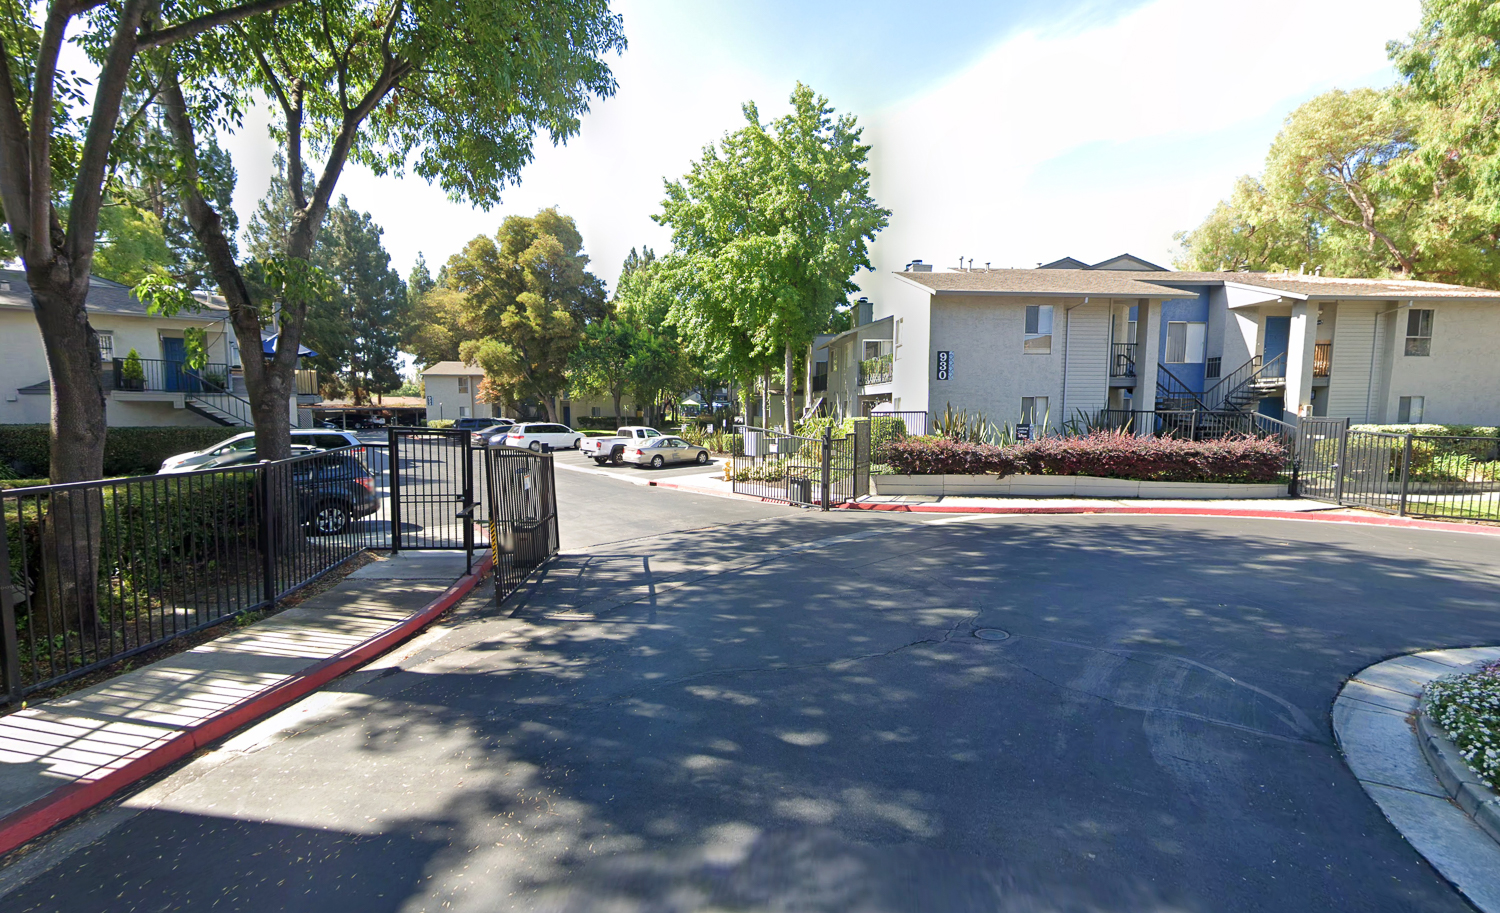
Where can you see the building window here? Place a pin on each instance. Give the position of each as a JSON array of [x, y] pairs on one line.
[[1212, 366], [872, 348], [106, 346], [1185, 342], [1033, 410], [463, 411], [1038, 330], [1409, 408], [463, 385], [1419, 332], [594, 411]]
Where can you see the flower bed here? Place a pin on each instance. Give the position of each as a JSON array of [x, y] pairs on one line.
[[1104, 454], [1468, 708]]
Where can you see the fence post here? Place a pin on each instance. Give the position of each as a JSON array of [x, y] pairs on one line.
[[826, 487], [864, 455], [393, 468], [1338, 466], [8, 636], [268, 535], [1405, 475]]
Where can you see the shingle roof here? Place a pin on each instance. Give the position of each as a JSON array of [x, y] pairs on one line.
[[453, 369], [1060, 283], [105, 297], [1133, 284]]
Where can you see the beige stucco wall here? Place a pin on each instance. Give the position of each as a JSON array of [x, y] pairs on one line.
[[444, 400], [912, 365], [23, 362], [1460, 380]]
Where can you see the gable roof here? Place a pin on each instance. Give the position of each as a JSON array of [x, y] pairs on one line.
[[1326, 287], [1128, 262], [105, 297], [1064, 263], [453, 369], [1042, 283]]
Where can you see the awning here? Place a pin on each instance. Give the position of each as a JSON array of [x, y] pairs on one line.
[[269, 346]]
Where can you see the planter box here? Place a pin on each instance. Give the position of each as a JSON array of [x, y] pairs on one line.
[[987, 486]]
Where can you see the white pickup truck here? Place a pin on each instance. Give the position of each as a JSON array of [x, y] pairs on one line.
[[610, 449]]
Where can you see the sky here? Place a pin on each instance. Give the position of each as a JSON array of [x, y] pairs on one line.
[[1011, 133]]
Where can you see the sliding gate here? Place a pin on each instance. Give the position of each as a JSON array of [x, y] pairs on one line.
[[807, 471]]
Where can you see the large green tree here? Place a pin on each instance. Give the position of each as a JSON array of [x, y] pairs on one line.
[[454, 89], [768, 230], [527, 297], [361, 318]]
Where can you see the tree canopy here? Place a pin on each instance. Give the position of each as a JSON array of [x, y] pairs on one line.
[[1403, 181]]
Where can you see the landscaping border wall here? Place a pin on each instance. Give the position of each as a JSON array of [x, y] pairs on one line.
[[1027, 486]]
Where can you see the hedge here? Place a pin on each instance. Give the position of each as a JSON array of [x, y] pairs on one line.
[[24, 449], [1103, 454]]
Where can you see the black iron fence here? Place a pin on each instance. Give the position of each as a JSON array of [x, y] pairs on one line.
[[154, 375], [809, 471], [438, 499], [522, 495], [93, 572], [1441, 476]]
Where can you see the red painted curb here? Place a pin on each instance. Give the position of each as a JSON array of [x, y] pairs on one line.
[[1320, 516], [65, 802]]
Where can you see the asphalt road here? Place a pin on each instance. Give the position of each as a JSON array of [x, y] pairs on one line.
[[719, 705]]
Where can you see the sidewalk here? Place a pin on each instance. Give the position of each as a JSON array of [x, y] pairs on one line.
[[66, 755], [952, 503]]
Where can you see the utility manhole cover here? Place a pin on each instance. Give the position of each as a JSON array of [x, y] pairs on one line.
[[990, 634]]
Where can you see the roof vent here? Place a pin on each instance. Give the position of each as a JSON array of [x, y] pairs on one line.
[[917, 266]]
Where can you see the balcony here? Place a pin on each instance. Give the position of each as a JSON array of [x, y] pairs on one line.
[[158, 376], [1122, 359], [875, 370], [1322, 359]]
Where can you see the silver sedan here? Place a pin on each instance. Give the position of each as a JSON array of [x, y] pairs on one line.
[[657, 452]]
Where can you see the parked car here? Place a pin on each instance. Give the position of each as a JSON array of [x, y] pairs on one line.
[[333, 490], [659, 451], [487, 435], [320, 438], [539, 436], [250, 457], [612, 448], [473, 423]]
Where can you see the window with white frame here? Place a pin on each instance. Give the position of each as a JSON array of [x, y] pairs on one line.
[[1419, 331], [463, 385], [1185, 342], [1409, 410], [106, 346], [872, 349], [1038, 330], [1033, 410], [594, 411], [463, 411]]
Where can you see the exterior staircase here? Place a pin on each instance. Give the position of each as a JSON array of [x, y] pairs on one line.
[[1243, 389], [218, 405]]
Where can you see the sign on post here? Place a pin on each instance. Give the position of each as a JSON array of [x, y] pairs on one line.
[[1023, 432], [944, 365]]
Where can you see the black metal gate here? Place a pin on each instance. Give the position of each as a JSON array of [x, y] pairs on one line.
[[432, 484], [522, 495], [1319, 457], [807, 471]]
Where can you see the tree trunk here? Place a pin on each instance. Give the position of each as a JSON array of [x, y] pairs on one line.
[[549, 402], [619, 394], [77, 435], [786, 393], [765, 399]]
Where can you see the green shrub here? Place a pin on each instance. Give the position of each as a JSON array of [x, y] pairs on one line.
[[132, 372], [440, 423], [127, 451], [1467, 706]]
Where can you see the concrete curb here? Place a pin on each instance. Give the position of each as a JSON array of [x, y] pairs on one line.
[[1314, 515], [75, 798], [1375, 722], [1457, 778]]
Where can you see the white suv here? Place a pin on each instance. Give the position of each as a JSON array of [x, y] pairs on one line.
[[539, 436], [320, 438]]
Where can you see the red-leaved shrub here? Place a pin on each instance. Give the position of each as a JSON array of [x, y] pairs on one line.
[[1104, 454]]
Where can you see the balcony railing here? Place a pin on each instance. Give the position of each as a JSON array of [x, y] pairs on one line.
[[159, 376], [1322, 359], [1122, 359], [875, 370]]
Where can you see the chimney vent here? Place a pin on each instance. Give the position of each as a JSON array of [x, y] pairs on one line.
[[917, 266]]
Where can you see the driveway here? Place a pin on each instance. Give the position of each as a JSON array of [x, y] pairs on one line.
[[735, 706]]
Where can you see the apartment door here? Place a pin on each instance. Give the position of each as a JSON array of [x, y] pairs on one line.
[[1278, 335], [173, 356]]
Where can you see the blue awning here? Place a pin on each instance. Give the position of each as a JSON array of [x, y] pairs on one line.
[[269, 345]]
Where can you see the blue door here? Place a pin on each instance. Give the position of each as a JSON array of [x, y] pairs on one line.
[[1278, 334], [173, 356]]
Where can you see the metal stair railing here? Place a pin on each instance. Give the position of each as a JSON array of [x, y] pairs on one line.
[[215, 397], [1224, 394], [1174, 391]]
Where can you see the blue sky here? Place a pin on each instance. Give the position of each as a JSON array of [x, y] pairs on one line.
[[1007, 132]]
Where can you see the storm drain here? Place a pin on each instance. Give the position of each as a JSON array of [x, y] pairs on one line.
[[990, 634]]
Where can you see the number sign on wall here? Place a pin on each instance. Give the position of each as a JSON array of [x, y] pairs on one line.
[[944, 365]]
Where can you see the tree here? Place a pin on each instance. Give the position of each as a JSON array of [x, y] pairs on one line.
[[456, 88], [434, 326], [768, 231], [357, 326], [527, 298], [602, 361]]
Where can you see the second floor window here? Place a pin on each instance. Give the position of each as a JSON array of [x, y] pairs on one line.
[[1185, 342], [1038, 330], [1419, 331], [106, 346], [463, 385]]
